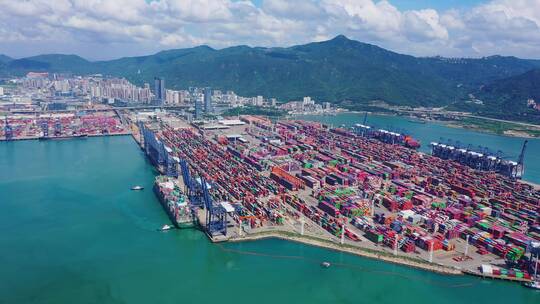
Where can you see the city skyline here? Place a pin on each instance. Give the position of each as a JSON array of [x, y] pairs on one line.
[[455, 28]]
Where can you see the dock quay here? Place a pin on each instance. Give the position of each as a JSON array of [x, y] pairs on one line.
[[351, 249], [251, 178], [58, 126]]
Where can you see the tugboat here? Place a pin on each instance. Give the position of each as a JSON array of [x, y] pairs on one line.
[[535, 283], [166, 227], [82, 135], [532, 285], [137, 188]]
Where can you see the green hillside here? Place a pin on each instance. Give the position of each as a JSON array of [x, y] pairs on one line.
[[5, 59], [507, 98], [340, 70]]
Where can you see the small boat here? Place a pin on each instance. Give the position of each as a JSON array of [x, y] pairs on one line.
[[325, 264], [166, 227], [532, 285], [137, 188]]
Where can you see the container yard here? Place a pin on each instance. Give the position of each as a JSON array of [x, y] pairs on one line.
[[353, 192], [61, 125]]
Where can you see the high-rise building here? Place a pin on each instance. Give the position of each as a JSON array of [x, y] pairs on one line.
[[159, 89], [198, 106], [308, 101], [208, 100], [259, 100], [327, 106]]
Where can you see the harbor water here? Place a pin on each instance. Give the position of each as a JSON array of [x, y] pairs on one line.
[[72, 231], [437, 132]]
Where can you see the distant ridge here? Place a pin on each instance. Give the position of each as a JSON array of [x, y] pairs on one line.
[[5, 59], [339, 70]]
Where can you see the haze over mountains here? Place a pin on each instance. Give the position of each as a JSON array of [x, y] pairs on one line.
[[340, 70]]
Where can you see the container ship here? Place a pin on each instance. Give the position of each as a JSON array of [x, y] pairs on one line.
[[174, 202], [511, 274], [386, 136]]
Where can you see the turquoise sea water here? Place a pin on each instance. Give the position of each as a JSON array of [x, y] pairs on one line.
[[429, 132], [72, 231]]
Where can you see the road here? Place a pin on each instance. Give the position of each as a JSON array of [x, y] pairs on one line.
[[149, 107], [464, 114], [502, 120]]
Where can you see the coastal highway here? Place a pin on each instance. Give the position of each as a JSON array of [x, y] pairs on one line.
[[146, 107], [465, 115]]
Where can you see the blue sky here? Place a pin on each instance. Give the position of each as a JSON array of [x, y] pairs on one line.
[[104, 29]]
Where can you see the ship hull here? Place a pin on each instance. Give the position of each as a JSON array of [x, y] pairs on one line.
[[178, 223]]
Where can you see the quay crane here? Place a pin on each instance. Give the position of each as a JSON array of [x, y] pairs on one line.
[[193, 192], [481, 158], [521, 159], [8, 130], [386, 136], [57, 128], [44, 124], [160, 155], [365, 119], [216, 215]]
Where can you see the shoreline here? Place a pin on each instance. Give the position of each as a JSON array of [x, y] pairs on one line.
[[514, 133], [58, 138], [456, 124], [507, 133], [358, 251]]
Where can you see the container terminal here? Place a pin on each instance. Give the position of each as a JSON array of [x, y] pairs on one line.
[[249, 177], [55, 125]]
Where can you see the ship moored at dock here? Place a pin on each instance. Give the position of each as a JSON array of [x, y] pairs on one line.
[[174, 202]]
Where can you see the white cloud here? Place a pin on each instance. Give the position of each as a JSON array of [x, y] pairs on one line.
[[130, 27], [508, 27], [424, 25]]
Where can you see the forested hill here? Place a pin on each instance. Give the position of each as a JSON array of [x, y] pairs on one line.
[[339, 70]]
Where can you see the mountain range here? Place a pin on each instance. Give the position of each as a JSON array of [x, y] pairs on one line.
[[5, 59], [340, 70]]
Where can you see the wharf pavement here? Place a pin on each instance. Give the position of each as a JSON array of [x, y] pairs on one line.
[[330, 244]]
